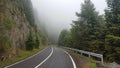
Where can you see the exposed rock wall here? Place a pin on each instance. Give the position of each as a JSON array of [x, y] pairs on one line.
[[14, 26]]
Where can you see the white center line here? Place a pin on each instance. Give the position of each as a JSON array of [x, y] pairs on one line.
[[45, 59]]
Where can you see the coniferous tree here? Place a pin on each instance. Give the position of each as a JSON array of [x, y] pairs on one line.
[[86, 30], [30, 43], [37, 42], [112, 40], [63, 38]]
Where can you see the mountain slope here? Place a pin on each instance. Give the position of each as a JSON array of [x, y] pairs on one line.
[[16, 23]]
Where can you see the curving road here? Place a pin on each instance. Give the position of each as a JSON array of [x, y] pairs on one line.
[[51, 57]]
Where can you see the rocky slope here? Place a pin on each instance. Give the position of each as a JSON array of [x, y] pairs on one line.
[[16, 21]]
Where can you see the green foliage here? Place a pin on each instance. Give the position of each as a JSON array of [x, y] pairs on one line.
[[87, 32], [64, 38], [37, 42], [3, 1], [90, 32], [87, 29], [113, 12], [23, 54], [112, 47], [6, 22], [26, 7], [10, 11], [33, 41], [97, 46], [112, 39], [30, 43], [93, 65], [5, 44], [6, 25]]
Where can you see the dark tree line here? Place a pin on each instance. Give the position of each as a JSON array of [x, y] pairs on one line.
[[94, 32]]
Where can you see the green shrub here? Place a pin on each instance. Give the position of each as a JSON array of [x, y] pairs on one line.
[[37, 42], [30, 42], [93, 65], [6, 25], [112, 47]]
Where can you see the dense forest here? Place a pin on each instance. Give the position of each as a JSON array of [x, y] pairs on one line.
[[17, 28], [94, 32]]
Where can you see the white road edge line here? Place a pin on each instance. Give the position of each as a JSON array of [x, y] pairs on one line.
[[74, 65], [45, 59], [25, 59]]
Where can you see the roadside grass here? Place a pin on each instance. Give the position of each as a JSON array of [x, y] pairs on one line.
[[90, 63], [93, 65], [23, 54]]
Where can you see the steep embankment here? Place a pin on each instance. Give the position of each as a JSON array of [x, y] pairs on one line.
[[16, 23]]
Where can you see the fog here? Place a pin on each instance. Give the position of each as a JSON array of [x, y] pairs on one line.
[[55, 15]]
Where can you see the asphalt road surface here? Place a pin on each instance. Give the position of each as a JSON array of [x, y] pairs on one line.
[[50, 57]]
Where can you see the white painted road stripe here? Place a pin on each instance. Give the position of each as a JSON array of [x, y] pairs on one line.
[[74, 65], [45, 59], [25, 59]]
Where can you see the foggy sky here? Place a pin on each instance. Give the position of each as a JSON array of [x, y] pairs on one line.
[[56, 15]]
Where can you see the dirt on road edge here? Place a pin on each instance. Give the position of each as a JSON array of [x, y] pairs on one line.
[[81, 61]]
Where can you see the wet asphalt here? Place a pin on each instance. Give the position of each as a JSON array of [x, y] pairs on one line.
[[58, 59]]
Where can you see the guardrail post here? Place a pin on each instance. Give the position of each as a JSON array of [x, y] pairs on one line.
[[81, 53], [89, 55], [102, 59]]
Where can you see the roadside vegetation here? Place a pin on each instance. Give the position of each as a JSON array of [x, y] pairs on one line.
[[83, 61], [19, 34], [23, 54], [94, 32]]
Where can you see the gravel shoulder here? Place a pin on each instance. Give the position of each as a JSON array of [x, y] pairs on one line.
[[82, 61]]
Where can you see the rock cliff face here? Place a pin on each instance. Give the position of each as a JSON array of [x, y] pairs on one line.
[[14, 26], [20, 31]]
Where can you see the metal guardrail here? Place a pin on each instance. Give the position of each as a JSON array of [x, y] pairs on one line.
[[88, 53]]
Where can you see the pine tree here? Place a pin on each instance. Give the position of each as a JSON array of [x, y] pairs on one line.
[[113, 31], [37, 42], [86, 30], [63, 38], [30, 43]]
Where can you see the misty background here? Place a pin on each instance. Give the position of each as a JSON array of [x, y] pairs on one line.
[[52, 16]]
